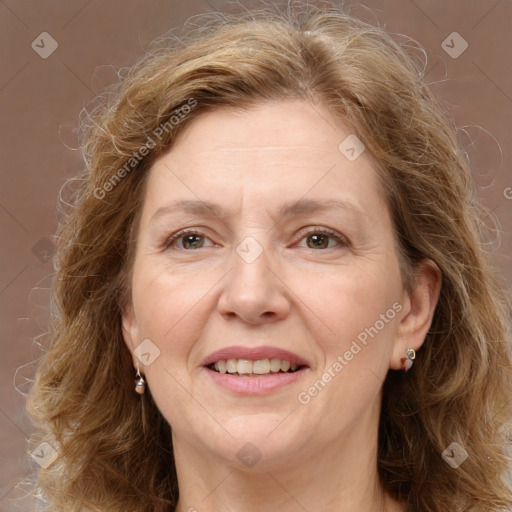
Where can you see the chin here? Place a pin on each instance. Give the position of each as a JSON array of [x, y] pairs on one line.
[[263, 442]]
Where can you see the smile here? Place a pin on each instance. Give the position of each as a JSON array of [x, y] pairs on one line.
[[249, 368], [256, 370]]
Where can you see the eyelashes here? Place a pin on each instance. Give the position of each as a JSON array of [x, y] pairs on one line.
[[326, 233], [181, 234], [194, 239]]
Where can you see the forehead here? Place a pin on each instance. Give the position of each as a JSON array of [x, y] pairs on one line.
[[277, 126], [275, 151]]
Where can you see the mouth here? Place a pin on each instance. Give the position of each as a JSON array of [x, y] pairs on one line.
[[256, 368], [251, 371]]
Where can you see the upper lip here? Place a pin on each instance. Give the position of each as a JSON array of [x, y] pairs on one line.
[[254, 354]]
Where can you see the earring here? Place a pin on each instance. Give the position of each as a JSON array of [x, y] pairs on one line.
[[140, 383], [408, 361]]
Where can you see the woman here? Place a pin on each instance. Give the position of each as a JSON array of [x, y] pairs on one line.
[[271, 293]]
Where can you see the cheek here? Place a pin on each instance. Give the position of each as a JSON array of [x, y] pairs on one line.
[[171, 311], [170, 308], [359, 314], [347, 301]]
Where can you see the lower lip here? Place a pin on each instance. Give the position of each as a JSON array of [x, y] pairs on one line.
[[255, 385]]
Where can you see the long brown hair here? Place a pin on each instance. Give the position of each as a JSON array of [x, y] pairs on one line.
[[114, 449]]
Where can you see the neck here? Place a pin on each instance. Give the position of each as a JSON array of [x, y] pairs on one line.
[[340, 477]]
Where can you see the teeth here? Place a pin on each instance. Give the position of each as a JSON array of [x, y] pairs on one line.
[[258, 367], [244, 366], [261, 366], [231, 365], [275, 365]]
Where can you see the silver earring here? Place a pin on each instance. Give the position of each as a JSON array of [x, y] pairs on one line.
[[140, 383], [408, 361]]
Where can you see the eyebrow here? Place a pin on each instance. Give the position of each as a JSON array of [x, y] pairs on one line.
[[300, 207]]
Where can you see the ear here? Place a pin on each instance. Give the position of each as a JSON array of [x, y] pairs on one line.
[[130, 330], [418, 311]]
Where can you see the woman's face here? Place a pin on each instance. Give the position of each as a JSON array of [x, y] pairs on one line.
[[265, 244]]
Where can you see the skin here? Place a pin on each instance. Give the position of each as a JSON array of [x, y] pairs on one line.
[[319, 456]]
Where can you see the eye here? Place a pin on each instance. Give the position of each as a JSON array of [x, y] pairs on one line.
[[187, 240], [323, 239], [318, 238]]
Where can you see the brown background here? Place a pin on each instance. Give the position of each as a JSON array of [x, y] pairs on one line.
[[40, 100]]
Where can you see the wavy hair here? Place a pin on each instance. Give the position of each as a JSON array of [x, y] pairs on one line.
[[115, 450]]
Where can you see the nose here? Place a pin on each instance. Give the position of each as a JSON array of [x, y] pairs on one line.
[[254, 291]]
